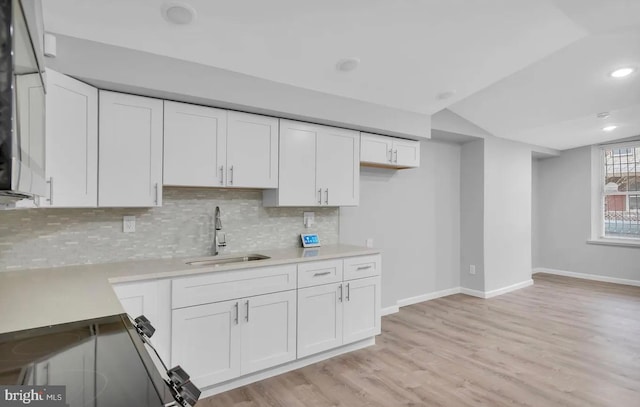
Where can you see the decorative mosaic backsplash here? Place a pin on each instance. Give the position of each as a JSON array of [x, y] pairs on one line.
[[182, 227]]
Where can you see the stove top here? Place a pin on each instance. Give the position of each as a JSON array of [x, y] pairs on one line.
[[102, 362]]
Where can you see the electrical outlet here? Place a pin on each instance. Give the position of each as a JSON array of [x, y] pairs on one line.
[[128, 224], [308, 219], [472, 269], [369, 242]]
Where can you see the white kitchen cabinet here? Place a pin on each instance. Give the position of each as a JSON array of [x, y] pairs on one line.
[[72, 143], [205, 341], [319, 166], [361, 309], [383, 151], [208, 147], [151, 299], [223, 340], [319, 318], [130, 151], [268, 333], [194, 145], [252, 151]]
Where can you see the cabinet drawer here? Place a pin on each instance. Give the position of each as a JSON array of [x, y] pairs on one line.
[[361, 267], [227, 285], [319, 272]]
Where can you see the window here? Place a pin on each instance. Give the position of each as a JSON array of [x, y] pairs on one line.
[[619, 192]]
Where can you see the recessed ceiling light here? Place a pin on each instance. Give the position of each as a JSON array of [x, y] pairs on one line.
[[347, 64], [178, 13], [445, 95], [609, 128], [603, 115], [622, 72]]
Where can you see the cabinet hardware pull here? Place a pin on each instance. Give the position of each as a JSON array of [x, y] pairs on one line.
[[222, 175], [50, 199], [340, 295], [320, 196], [348, 292], [324, 273], [364, 267], [247, 305], [237, 313], [390, 155], [157, 200], [231, 175], [326, 200], [396, 153]]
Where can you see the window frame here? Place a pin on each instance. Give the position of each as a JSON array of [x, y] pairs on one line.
[[598, 197]]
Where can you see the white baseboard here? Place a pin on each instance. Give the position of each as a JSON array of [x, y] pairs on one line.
[[389, 310], [428, 296], [584, 276], [473, 293], [508, 289]]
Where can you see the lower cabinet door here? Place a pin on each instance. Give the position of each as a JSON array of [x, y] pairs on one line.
[[319, 318], [361, 309], [268, 333], [206, 341]]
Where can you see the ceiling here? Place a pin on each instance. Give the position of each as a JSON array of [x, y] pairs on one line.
[[529, 70]]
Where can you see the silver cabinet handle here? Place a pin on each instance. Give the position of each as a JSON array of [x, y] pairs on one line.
[[157, 199], [390, 155], [50, 199], [348, 292], [247, 305], [237, 313], [396, 154], [364, 267], [231, 175], [324, 273], [340, 295], [222, 175], [326, 200], [320, 196]]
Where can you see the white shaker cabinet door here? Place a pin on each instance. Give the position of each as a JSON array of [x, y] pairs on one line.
[[406, 153], [130, 151], [338, 166], [297, 186], [361, 309], [375, 149], [194, 145], [252, 151], [72, 143], [205, 342], [319, 318], [268, 331]]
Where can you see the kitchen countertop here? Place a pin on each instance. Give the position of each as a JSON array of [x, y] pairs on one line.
[[42, 297]]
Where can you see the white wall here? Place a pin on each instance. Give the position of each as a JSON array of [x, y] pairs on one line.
[[472, 215], [507, 213], [563, 196], [414, 218]]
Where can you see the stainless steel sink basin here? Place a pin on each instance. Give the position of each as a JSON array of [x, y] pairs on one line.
[[217, 261]]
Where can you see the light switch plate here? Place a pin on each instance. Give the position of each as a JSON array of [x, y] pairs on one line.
[[128, 224]]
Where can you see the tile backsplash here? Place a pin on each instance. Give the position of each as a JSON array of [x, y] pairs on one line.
[[182, 227]]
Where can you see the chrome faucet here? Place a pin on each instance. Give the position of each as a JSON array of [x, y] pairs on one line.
[[217, 226]]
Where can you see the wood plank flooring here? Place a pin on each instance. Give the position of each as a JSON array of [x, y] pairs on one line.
[[560, 342]]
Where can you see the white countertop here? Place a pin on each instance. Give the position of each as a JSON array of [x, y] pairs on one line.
[[35, 298]]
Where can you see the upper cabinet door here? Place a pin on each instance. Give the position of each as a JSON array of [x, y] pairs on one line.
[[194, 145], [252, 151], [338, 166], [375, 149], [297, 185], [72, 142], [130, 151], [406, 153]]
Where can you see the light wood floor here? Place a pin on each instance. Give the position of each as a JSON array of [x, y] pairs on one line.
[[561, 342]]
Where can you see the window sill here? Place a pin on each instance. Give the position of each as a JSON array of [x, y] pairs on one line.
[[615, 242]]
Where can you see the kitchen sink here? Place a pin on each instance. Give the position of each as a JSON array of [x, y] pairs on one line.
[[217, 261]]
